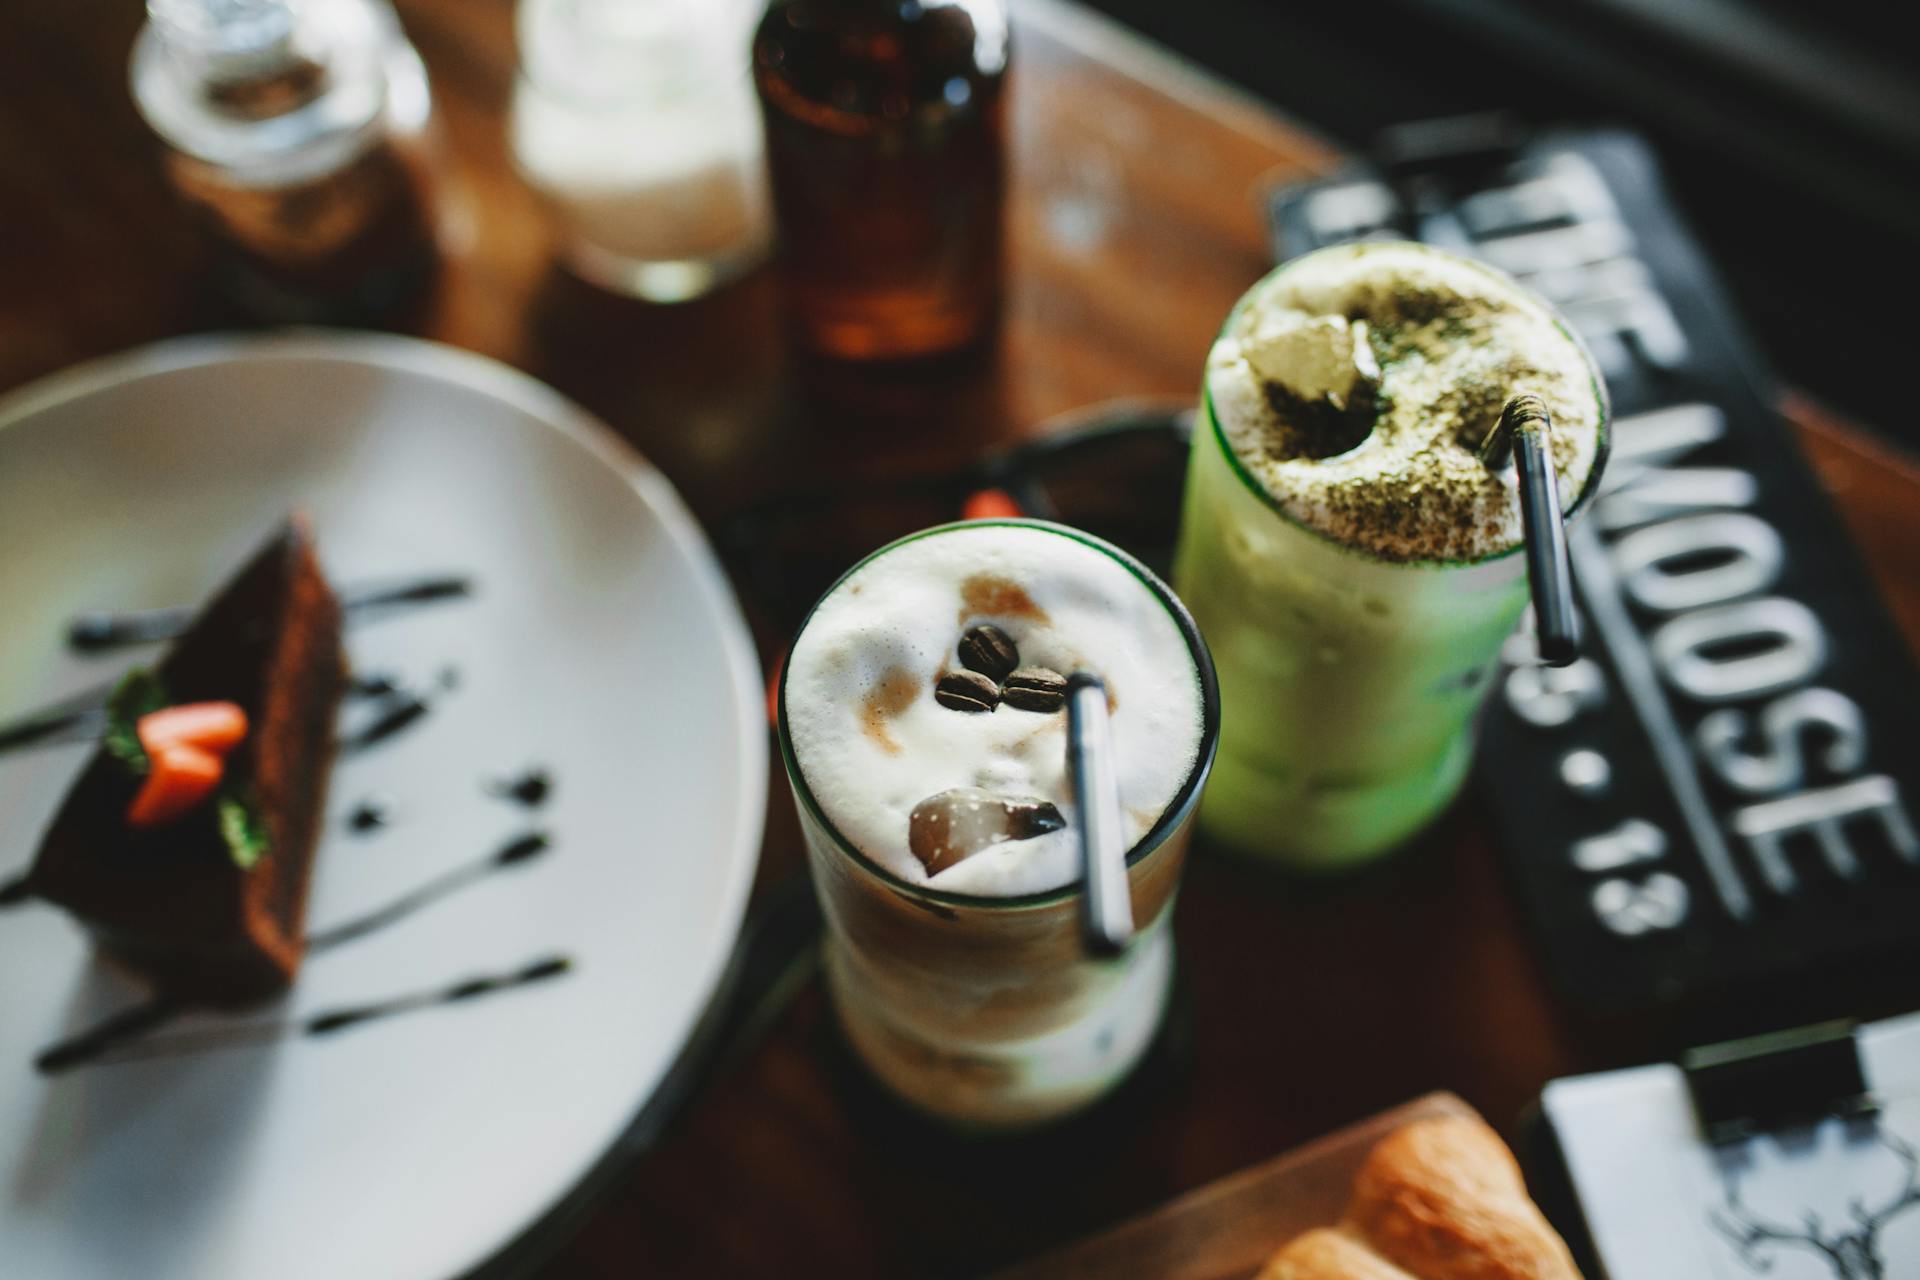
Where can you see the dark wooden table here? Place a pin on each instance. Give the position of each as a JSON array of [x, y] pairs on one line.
[[1134, 226]]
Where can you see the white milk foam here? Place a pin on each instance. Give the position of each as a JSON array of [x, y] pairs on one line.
[[872, 743]]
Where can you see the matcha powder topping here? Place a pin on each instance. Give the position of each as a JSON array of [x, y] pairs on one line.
[[1356, 384]]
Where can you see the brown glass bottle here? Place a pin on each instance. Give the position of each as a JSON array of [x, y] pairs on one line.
[[885, 145]]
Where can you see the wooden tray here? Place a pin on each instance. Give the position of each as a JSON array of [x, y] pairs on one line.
[[1226, 1230]]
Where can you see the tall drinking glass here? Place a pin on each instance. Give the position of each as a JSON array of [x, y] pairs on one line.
[[985, 1008], [635, 120], [1351, 678]]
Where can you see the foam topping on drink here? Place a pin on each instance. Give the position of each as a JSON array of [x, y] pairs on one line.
[[925, 704], [1357, 383]]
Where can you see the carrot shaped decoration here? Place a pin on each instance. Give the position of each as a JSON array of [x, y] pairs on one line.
[[186, 749]]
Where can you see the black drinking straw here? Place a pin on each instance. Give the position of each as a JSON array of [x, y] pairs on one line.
[[1522, 439], [1108, 913]]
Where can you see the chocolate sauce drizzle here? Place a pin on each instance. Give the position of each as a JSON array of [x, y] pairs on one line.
[[95, 632], [369, 816], [398, 712], [77, 719], [123, 1038], [83, 718], [121, 1030], [322, 1024], [521, 849], [397, 705], [103, 1037], [373, 684], [529, 789]]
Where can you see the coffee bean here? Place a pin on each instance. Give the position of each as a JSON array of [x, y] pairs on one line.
[[966, 691], [1035, 689], [988, 650]]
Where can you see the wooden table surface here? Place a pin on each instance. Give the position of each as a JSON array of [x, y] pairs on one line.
[[1134, 226]]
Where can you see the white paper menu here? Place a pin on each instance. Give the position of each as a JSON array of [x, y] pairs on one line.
[[1836, 1200]]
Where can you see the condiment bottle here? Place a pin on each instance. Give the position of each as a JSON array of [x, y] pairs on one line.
[[885, 125], [295, 129]]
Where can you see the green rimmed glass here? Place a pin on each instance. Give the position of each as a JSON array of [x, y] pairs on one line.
[[987, 1011], [1353, 680]]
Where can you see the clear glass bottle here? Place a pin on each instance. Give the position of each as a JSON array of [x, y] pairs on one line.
[[296, 130], [635, 120], [885, 144]]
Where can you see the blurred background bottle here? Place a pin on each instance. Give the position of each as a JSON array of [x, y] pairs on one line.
[[636, 121], [885, 123], [296, 129]]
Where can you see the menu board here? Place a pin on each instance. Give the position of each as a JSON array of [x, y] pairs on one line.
[[1709, 816]]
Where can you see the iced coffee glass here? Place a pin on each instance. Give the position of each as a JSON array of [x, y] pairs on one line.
[[1354, 565], [922, 728]]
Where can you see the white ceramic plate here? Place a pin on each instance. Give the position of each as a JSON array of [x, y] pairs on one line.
[[602, 643]]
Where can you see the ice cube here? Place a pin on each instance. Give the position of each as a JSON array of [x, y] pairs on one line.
[[954, 825], [1314, 357]]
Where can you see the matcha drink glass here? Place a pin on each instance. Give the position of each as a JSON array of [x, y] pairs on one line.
[[1353, 564], [922, 723]]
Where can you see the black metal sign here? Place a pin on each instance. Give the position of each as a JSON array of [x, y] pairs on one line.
[[1710, 814]]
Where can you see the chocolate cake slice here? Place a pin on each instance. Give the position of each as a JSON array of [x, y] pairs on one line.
[[212, 907]]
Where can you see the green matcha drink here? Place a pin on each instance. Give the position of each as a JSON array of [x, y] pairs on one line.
[[1353, 564]]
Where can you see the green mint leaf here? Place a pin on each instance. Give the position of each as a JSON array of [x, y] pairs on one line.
[[243, 830], [139, 693]]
